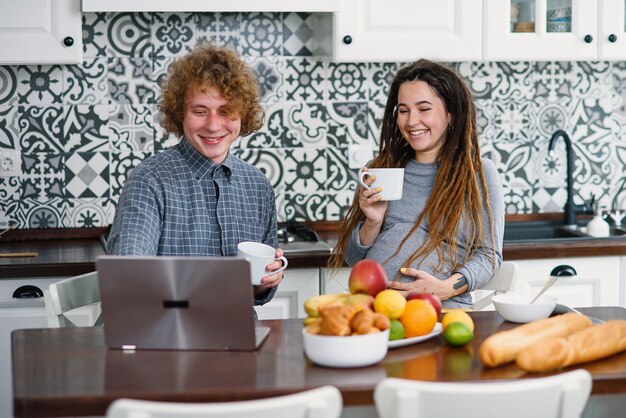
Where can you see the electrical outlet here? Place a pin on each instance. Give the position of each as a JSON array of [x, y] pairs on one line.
[[359, 155], [10, 163]]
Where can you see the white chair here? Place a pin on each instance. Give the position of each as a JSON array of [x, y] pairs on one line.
[[504, 280], [66, 295], [322, 402], [559, 396]]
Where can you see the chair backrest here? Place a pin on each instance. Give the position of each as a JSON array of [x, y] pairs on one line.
[[559, 396], [68, 294], [322, 402], [504, 280]]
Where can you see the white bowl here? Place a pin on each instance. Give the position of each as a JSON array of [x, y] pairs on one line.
[[516, 307], [350, 351]]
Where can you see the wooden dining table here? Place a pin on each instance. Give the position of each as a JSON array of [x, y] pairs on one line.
[[70, 371]]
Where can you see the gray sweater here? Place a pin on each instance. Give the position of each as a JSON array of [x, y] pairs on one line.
[[419, 179]]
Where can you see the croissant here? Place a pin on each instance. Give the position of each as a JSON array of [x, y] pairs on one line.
[[336, 319]]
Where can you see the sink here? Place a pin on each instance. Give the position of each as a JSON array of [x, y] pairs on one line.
[[540, 230], [550, 230]]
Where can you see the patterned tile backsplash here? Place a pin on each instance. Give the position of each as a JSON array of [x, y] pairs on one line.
[[82, 128]]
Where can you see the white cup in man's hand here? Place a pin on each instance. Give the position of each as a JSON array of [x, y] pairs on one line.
[[260, 256], [390, 180]]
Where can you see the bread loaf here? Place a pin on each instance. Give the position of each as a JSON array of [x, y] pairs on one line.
[[502, 347], [589, 344]]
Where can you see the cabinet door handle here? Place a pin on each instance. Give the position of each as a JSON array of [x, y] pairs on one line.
[[68, 41], [588, 39], [347, 39], [612, 38]]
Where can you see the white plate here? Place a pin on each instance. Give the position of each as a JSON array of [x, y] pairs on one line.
[[408, 341]]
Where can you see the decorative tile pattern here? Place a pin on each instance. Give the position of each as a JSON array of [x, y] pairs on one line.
[[43, 176], [130, 80], [269, 72], [40, 129], [87, 174], [48, 214], [40, 84], [131, 127], [128, 34], [305, 80], [87, 213], [120, 165], [261, 34], [86, 83], [85, 128], [94, 34], [347, 82], [9, 129], [8, 85], [298, 37], [10, 196], [82, 128]]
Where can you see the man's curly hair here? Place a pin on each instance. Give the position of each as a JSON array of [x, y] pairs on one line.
[[209, 66]]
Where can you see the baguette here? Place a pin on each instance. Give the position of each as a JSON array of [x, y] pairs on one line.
[[586, 345], [502, 347]]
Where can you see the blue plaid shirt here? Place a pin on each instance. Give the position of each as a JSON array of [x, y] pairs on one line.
[[181, 203]]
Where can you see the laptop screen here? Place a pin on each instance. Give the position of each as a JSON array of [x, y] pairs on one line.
[[186, 303]]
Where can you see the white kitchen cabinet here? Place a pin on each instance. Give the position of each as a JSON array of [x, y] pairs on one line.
[[335, 281], [288, 302], [597, 31], [406, 30], [22, 314], [598, 283], [209, 6], [41, 32]]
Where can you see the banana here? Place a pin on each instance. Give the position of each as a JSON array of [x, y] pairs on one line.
[[312, 304], [360, 299], [309, 320]]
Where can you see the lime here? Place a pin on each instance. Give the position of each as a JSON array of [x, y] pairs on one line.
[[457, 334], [457, 315], [396, 330]]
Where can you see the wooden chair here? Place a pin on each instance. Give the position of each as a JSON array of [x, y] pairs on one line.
[[560, 396], [68, 294], [322, 402], [504, 280]]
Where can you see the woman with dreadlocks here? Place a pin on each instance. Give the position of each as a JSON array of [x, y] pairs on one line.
[[445, 235]]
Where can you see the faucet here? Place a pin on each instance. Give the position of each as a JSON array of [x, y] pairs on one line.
[[570, 208]]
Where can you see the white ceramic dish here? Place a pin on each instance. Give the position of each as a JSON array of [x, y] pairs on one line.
[[515, 307], [408, 341], [344, 352]]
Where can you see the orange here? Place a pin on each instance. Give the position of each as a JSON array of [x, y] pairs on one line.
[[419, 318], [390, 303], [457, 315]]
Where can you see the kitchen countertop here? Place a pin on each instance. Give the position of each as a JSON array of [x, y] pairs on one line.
[[59, 252], [70, 252]]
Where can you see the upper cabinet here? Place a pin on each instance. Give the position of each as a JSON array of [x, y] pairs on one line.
[[555, 30], [209, 5], [41, 32], [403, 30]]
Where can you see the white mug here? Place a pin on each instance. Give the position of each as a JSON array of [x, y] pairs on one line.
[[390, 180], [259, 255]]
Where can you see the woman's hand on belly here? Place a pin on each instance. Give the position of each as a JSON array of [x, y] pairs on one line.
[[427, 283]]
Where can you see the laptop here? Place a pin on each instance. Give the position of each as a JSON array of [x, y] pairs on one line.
[[178, 303]]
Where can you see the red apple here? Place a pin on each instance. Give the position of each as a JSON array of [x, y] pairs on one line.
[[429, 297], [367, 276]]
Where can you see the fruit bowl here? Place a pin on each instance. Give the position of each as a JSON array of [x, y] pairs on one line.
[[516, 307], [344, 352]]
